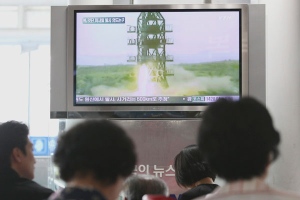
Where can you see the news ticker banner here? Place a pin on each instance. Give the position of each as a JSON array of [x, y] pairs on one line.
[[151, 99]]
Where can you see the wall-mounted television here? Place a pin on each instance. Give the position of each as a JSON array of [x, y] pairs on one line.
[[155, 57]]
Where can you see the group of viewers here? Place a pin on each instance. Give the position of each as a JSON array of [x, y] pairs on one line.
[[236, 141]]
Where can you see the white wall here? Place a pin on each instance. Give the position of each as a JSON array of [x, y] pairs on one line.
[[283, 87]]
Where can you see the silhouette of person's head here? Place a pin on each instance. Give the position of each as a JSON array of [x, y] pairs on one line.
[[136, 186], [238, 139]]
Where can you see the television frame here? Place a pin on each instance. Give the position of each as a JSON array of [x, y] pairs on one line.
[[144, 107]]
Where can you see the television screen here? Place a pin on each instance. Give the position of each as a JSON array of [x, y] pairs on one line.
[[156, 57]]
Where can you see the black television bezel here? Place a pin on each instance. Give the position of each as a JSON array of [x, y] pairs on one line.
[[71, 10]]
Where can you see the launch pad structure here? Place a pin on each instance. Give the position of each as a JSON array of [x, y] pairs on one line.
[[151, 44]]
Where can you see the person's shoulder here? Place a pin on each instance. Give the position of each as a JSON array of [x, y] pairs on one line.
[[32, 184], [25, 190], [210, 187], [31, 188], [263, 192], [197, 192], [205, 197], [288, 195], [278, 195], [76, 193]]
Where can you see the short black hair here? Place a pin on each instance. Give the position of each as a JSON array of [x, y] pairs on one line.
[[137, 185], [237, 138], [100, 147], [13, 134], [190, 167]]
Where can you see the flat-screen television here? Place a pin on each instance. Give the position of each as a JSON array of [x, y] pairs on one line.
[[155, 57]]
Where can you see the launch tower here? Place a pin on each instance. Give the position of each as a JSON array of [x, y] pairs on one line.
[[151, 44]]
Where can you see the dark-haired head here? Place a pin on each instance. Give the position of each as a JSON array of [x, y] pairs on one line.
[[190, 167], [238, 139], [136, 186], [98, 147], [13, 134]]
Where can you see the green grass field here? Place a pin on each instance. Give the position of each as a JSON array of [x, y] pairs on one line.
[[217, 69], [124, 77], [112, 76]]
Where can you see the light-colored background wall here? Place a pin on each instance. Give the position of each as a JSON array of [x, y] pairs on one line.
[[283, 87]]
